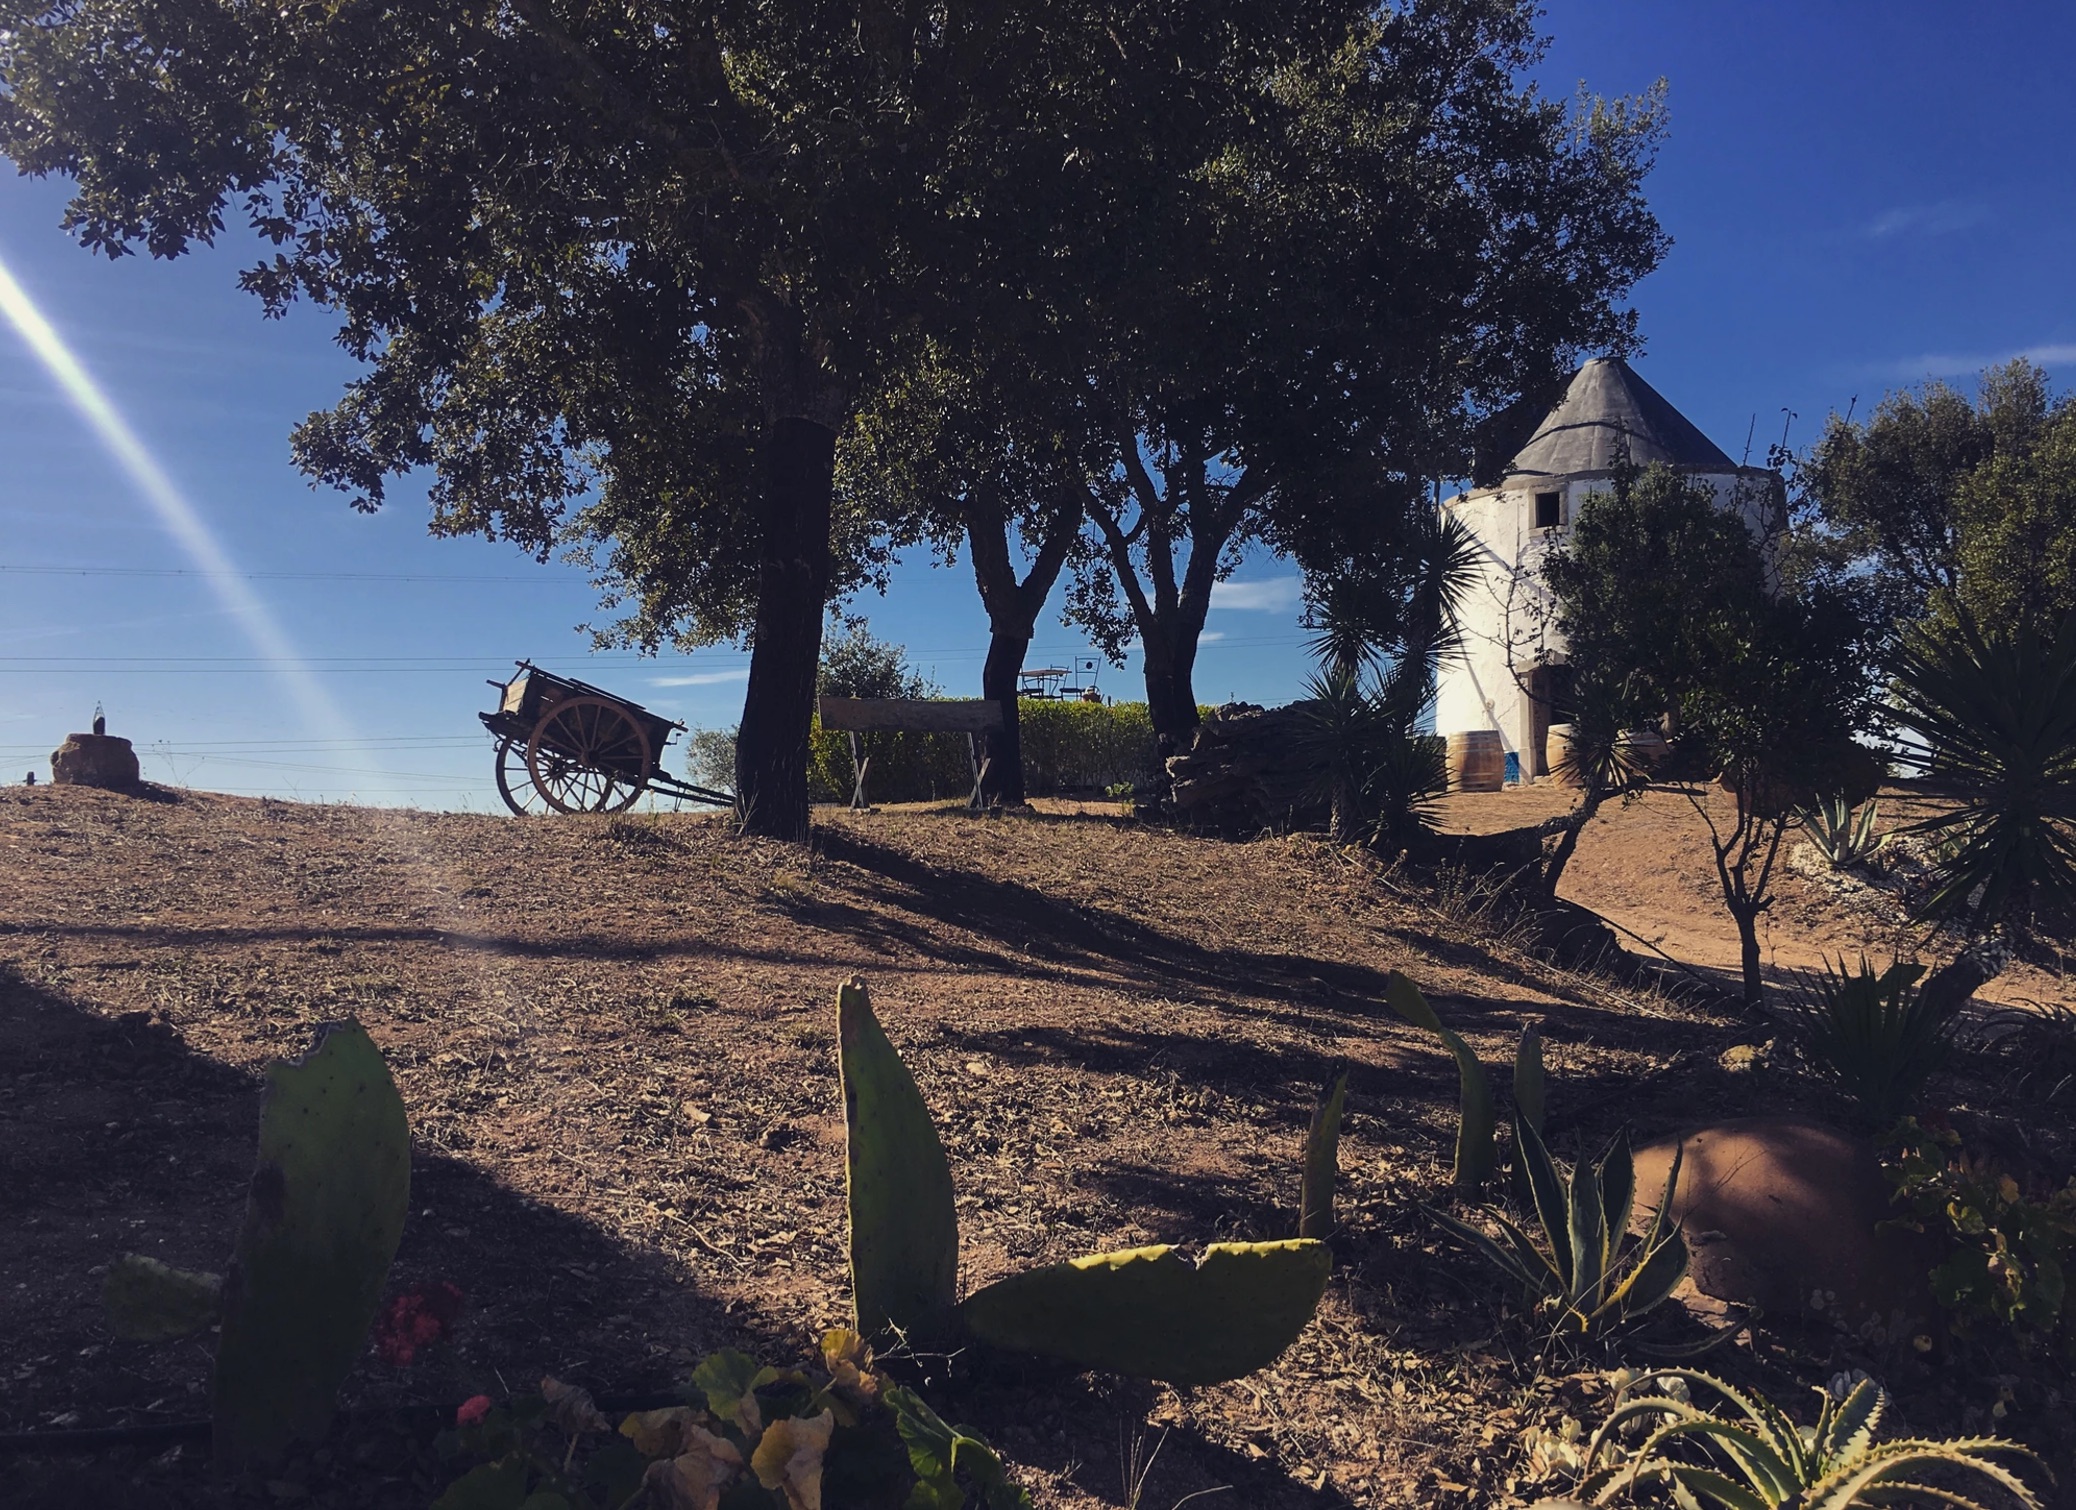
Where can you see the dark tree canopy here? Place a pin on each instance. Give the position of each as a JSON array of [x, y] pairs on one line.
[[1406, 238], [652, 258], [1935, 505]]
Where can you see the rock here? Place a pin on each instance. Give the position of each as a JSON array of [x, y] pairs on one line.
[[1785, 1215], [102, 760]]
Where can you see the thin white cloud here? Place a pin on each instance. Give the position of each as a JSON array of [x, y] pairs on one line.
[[1954, 363], [702, 678], [1209, 635], [1939, 219], [1270, 595]]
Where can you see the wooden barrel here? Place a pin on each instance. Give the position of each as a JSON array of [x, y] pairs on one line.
[[1477, 761], [1557, 755]]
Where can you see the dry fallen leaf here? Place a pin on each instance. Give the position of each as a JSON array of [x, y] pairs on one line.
[[789, 1458], [694, 1479]]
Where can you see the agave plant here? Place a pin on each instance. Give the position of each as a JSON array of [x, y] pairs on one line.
[[1878, 1036], [1755, 1458], [1993, 720], [1844, 838], [1588, 1271]]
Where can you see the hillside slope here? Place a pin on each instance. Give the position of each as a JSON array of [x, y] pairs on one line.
[[614, 1039]]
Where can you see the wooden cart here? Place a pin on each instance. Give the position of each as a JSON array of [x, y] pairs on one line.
[[566, 746]]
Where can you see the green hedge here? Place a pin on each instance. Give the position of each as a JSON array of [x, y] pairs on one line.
[[1069, 747]]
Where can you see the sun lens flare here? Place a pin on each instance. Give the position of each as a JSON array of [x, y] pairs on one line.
[[176, 514]]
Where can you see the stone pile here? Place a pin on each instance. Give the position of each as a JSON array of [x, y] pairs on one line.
[[1244, 772], [97, 759]]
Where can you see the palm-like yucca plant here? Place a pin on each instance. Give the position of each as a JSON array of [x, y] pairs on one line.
[[1878, 1036], [1993, 719], [1380, 635], [1588, 1272], [1755, 1458], [1844, 837]]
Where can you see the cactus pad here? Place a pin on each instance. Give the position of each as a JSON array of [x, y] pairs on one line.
[[1151, 1313], [904, 1229], [322, 1222], [1475, 1149], [1323, 1158]]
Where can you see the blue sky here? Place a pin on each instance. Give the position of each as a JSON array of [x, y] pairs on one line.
[[1860, 195]]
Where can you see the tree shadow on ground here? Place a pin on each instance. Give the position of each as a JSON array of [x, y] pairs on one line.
[[120, 1138], [1053, 934]]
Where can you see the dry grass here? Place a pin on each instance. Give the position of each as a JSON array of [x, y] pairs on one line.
[[614, 1039]]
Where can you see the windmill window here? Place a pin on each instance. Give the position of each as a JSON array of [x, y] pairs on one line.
[[1548, 510]]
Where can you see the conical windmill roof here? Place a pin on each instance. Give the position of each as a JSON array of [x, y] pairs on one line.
[[1607, 408]]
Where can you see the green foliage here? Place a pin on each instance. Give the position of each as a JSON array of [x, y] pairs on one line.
[[1477, 1154], [1588, 1276], [1993, 719], [1323, 1157], [1844, 838], [1941, 508], [1528, 1078], [858, 663], [1664, 599], [1877, 1036], [1150, 1313], [1753, 1457], [1068, 747], [148, 1301], [2010, 1257], [322, 1222], [1144, 1311], [748, 1437], [904, 1229]]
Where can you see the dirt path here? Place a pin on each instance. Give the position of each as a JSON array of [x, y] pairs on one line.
[[1645, 865]]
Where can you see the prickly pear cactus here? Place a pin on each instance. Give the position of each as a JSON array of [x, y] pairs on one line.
[[904, 1228], [1323, 1158], [322, 1221], [1151, 1313], [1476, 1152]]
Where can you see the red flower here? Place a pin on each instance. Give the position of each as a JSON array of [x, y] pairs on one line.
[[472, 1410], [416, 1318]]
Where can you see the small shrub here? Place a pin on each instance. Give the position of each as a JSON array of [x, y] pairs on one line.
[[2036, 1048], [1843, 837], [1752, 1457], [1874, 1035], [1068, 747], [2006, 1271], [749, 1437]]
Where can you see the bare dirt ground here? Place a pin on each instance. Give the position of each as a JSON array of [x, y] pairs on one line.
[[1645, 865], [614, 1037]]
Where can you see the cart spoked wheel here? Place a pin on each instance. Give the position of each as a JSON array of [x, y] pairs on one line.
[[515, 781], [588, 756]]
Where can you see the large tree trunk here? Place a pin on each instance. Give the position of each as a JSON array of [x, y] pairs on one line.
[[771, 748], [1171, 700], [1000, 681], [1013, 608]]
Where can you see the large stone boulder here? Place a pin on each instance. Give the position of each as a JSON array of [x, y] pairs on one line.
[[1787, 1215], [101, 760]]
